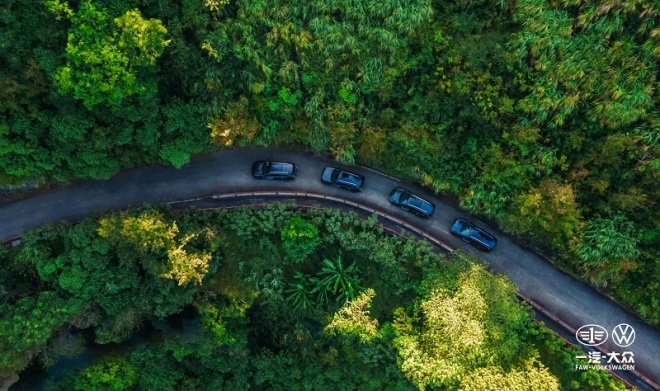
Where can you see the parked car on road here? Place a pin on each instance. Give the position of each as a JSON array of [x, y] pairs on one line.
[[337, 177], [412, 203], [265, 169], [474, 235]]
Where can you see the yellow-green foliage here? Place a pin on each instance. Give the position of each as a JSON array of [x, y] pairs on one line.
[[478, 329], [103, 57], [151, 235], [353, 318]]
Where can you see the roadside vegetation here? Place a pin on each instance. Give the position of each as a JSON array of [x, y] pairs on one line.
[[540, 115], [282, 300]]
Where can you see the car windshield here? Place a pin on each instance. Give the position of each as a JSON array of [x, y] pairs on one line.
[[404, 197], [335, 175], [466, 229], [268, 167]]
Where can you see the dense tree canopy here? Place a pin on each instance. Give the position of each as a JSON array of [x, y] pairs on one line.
[[349, 316], [542, 115], [478, 329]]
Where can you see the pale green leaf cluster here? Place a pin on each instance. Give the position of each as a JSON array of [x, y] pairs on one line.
[[353, 319], [163, 249], [478, 329], [104, 58]]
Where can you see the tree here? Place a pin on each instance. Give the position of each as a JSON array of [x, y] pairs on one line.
[[550, 209], [147, 231], [300, 238], [501, 177], [164, 251], [235, 127], [465, 330], [111, 374], [104, 58], [586, 58], [353, 318], [185, 266], [28, 324], [372, 143], [297, 60], [225, 322], [184, 132], [480, 326], [531, 375]]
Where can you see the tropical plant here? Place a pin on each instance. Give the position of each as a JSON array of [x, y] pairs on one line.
[[269, 282], [343, 282], [300, 293]]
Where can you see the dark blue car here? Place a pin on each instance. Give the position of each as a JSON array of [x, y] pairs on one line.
[[343, 179], [264, 169], [474, 235], [412, 203]]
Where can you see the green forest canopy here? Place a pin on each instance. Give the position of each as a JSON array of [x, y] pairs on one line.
[[364, 311], [541, 115]]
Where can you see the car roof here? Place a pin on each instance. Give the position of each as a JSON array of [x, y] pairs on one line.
[[482, 236], [420, 203], [280, 167], [349, 177], [477, 233]]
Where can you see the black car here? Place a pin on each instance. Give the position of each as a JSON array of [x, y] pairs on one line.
[[265, 169], [474, 235], [343, 179], [410, 202]]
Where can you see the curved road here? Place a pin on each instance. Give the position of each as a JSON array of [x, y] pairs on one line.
[[229, 171]]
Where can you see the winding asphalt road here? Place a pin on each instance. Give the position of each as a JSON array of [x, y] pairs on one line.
[[229, 171]]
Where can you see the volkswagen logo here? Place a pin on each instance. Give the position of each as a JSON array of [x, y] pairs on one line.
[[623, 335], [591, 335]]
